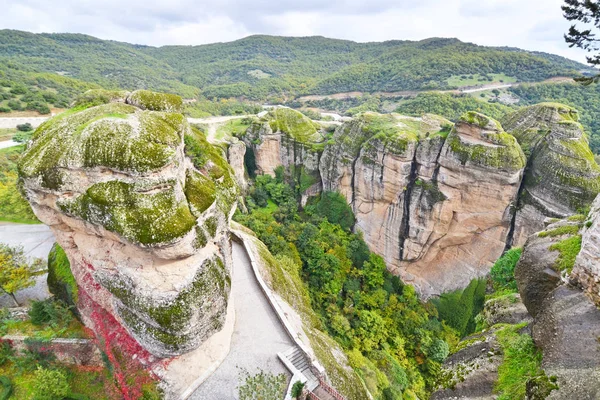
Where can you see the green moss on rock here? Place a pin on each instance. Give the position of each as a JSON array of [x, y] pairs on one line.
[[176, 322], [95, 97], [144, 218], [115, 136], [155, 101], [61, 281], [297, 125], [200, 191], [503, 150]]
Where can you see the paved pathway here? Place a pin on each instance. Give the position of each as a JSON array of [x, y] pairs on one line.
[[257, 338], [37, 240]]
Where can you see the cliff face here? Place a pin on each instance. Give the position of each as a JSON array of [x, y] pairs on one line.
[[141, 216], [562, 175], [566, 322], [441, 203]]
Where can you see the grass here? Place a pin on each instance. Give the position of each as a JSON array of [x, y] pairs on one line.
[[562, 230], [13, 207], [568, 250], [25, 328], [7, 133], [235, 127], [522, 361]]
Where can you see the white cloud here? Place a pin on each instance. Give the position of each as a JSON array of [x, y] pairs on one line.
[[529, 24]]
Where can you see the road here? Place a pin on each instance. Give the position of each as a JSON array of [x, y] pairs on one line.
[[489, 87], [256, 340], [12, 122], [8, 143], [37, 240]]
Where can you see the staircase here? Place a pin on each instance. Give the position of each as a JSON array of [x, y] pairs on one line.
[[300, 362]]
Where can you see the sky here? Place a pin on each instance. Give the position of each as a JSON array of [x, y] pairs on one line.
[[528, 24]]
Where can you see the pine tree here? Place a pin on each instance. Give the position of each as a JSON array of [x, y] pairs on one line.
[[587, 12]]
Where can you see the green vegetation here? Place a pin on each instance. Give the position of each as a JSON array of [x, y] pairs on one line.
[[477, 79], [61, 281], [451, 106], [522, 362], [335, 208], [16, 271], [503, 271], [262, 386], [393, 341], [235, 128], [13, 207], [561, 230], [568, 250], [459, 308], [267, 67]]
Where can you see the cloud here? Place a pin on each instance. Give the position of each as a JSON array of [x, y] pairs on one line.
[[529, 24]]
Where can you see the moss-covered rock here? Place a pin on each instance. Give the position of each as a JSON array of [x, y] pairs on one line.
[[479, 140], [297, 125], [115, 136], [130, 211], [61, 281], [562, 176], [154, 101], [95, 97]]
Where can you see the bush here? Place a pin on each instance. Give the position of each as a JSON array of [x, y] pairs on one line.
[[24, 127], [15, 105], [297, 389], [503, 271], [5, 388], [6, 352], [22, 137], [50, 384], [460, 307], [5, 109], [49, 312]]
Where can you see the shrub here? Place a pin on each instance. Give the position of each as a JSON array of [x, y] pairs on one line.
[[15, 105], [6, 352], [50, 384], [297, 389], [5, 388], [26, 127], [262, 386], [503, 271], [49, 312], [4, 109], [460, 307]]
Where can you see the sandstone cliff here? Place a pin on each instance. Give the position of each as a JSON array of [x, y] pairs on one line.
[[439, 202], [141, 216]]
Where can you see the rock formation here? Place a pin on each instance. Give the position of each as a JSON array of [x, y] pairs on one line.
[[586, 271], [439, 203], [566, 322], [141, 216], [562, 175]]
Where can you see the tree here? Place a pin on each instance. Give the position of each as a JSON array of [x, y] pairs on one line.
[[586, 12], [262, 386], [16, 272]]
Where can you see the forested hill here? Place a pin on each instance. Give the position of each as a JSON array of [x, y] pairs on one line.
[[257, 67]]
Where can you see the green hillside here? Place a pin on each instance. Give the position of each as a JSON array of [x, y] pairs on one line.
[[263, 67]]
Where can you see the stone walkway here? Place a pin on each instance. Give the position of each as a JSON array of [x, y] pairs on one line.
[[257, 338], [37, 240]]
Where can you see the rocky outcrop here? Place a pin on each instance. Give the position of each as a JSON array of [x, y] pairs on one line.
[[586, 272], [439, 203], [141, 217], [284, 137], [480, 168], [566, 323], [235, 155], [562, 175]]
